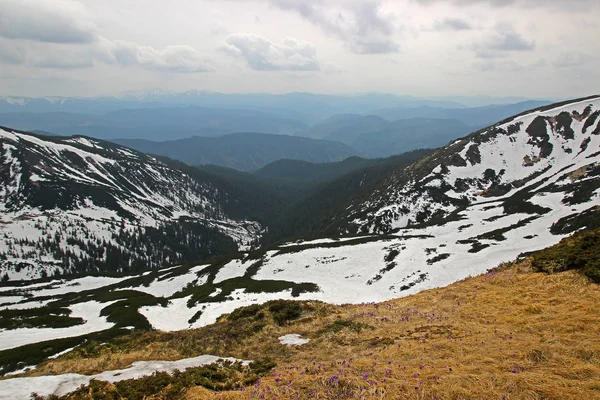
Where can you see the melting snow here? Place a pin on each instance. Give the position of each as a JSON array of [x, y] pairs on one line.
[[293, 339], [89, 311], [21, 388]]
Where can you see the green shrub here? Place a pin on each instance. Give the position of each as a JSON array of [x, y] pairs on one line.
[[43, 317], [246, 312], [284, 311], [578, 252]]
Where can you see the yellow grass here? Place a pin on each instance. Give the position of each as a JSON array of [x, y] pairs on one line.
[[511, 334]]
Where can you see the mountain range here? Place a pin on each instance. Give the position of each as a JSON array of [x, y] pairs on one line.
[[169, 124], [304, 106], [153, 124], [226, 251], [244, 151]]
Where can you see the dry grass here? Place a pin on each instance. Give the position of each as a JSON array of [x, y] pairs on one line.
[[511, 334]]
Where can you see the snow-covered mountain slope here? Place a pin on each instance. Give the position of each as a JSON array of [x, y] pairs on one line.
[[515, 188], [79, 205], [553, 150]]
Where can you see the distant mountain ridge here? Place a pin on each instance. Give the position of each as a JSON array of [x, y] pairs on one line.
[[310, 107], [394, 131], [244, 151], [154, 124], [472, 116]]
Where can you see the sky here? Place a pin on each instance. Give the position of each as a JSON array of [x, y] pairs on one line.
[[528, 48]]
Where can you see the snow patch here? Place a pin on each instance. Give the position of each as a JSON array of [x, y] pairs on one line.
[[293, 339]]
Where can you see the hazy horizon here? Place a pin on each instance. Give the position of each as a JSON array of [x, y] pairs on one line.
[[167, 92], [423, 48]]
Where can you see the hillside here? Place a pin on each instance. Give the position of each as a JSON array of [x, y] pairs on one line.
[[405, 135], [305, 171], [311, 212], [345, 128], [81, 205], [524, 168], [244, 151], [510, 333]]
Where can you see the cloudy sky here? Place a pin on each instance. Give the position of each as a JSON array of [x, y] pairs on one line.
[[530, 48]]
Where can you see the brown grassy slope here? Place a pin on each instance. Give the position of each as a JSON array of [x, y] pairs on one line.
[[513, 333]]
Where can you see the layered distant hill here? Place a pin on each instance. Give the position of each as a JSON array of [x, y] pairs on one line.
[[307, 107], [369, 123], [472, 116], [154, 124], [395, 131], [244, 151]]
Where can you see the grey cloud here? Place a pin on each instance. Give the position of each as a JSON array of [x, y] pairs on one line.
[[573, 59], [569, 5], [40, 55], [502, 41], [11, 53], [53, 21], [373, 47], [511, 41], [361, 25], [499, 3], [506, 65], [182, 59], [332, 69], [452, 24], [62, 63], [263, 55], [59, 34]]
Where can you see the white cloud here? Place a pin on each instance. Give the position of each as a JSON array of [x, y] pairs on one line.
[[181, 58], [263, 55], [100, 47], [332, 69]]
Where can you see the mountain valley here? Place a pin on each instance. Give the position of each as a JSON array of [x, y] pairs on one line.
[[337, 253]]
